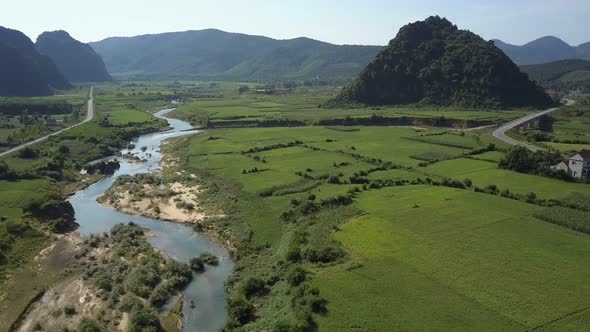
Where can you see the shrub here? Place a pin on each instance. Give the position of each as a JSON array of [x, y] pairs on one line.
[[144, 319], [104, 282], [294, 254], [296, 276], [197, 264], [69, 310], [89, 325], [209, 259], [254, 287], [491, 189], [28, 153], [179, 274], [324, 255], [129, 303], [142, 280], [334, 179], [159, 296], [468, 183], [240, 311]]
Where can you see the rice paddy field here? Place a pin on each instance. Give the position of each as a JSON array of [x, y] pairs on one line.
[[449, 259], [418, 256], [229, 109]]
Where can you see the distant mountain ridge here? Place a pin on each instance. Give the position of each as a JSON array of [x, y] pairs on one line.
[[544, 50], [560, 74], [76, 60], [23, 71], [433, 62], [215, 54]]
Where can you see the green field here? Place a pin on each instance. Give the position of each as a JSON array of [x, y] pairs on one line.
[[460, 260], [228, 108], [484, 173], [419, 257], [346, 227]]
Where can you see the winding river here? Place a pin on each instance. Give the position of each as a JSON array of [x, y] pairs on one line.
[[207, 291]]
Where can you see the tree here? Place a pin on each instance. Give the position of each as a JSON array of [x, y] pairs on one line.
[[240, 311], [28, 153], [144, 319], [296, 276], [244, 89], [63, 149]]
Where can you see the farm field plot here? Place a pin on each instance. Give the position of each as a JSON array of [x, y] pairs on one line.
[[267, 169], [572, 125], [221, 152], [13, 194], [564, 147], [302, 105], [124, 116], [492, 156], [442, 258], [484, 173]]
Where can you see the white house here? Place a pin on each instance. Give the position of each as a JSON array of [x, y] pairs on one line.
[[579, 165]]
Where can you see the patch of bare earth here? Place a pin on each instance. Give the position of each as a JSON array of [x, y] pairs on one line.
[[72, 298], [173, 202]]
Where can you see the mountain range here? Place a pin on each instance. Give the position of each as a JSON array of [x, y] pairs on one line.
[[543, 50], [434, 62], [25, 72], [76, 60], [218, 55]]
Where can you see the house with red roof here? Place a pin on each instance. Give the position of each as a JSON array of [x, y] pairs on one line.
[[579, 165]]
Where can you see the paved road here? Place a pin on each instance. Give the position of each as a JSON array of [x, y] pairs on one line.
[[89, 117], [500, 133]]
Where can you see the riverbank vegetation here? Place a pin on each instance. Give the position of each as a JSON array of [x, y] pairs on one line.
[[34, 183], [122, 281]]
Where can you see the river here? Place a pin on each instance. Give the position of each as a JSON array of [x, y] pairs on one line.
[[181, 242]]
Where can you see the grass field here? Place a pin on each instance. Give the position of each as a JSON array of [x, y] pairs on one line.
[[302, 105], [444, 259], [419, 257], [351, 227], [484, 173]]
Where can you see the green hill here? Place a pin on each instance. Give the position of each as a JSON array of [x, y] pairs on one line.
[[76, 60], [218, 55], [25, 72], [565, 74], [434, 62], [552, 71]]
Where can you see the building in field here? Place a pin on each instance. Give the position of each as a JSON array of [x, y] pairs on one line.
[[52, 122], [580, 166], [577, 166]]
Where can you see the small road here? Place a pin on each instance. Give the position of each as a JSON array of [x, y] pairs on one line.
[[89, 117], [500, 133]]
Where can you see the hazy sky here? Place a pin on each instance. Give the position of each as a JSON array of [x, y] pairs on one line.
[[336, 21]]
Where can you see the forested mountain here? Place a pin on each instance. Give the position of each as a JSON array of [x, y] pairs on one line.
[[563, 73], [23, 71], [214, 54], [543, 50], [76, 60], [434, 62]]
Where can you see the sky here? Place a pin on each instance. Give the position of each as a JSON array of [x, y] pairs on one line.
[[367, 22]]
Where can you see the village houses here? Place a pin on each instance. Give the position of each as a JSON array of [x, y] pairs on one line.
[[577, 166]]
